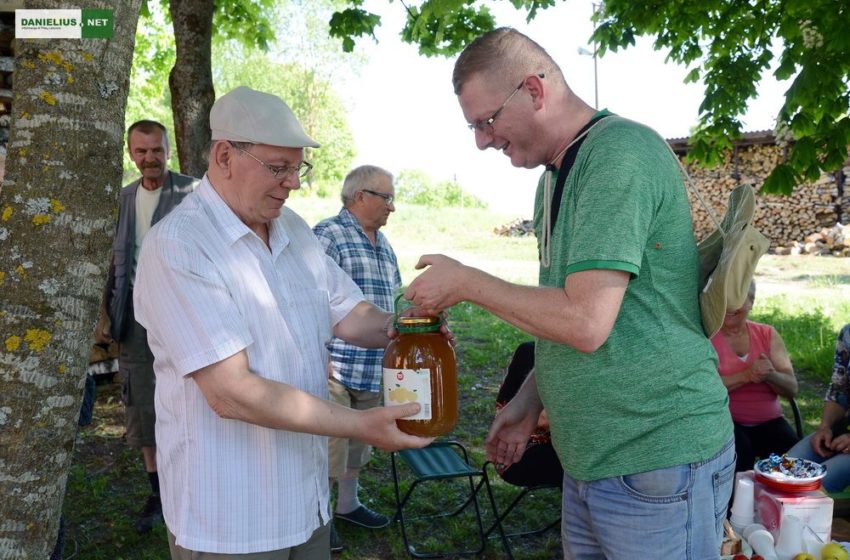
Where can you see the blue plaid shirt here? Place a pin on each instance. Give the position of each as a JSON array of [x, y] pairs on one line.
[[375, 269]]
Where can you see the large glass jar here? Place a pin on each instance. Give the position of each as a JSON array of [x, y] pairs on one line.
[[419, 366]]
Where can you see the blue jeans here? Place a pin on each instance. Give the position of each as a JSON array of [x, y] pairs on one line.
[[675, 512], [837, 466]]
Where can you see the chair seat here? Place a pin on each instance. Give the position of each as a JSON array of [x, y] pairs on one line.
[[433, 462]]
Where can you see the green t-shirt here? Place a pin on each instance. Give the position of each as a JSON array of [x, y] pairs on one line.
[[650, 396]]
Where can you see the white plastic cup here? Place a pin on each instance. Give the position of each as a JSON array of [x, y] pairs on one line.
[[749, 529], [761, 541], [742, 513], [790, 541]]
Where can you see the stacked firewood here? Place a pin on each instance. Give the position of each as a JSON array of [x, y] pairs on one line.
[[806, 222], [833, 241], [516, 228], [785, 220]]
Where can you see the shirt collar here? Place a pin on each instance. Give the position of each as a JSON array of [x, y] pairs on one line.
[[228, 223], [349, 219]]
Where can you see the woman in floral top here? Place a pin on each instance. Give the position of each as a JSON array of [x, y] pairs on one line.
[[830, 444]]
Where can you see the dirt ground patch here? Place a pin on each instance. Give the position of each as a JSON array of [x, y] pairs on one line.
[[819, 278]]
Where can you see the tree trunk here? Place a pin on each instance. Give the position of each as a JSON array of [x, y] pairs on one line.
[[190, 81], [63, 176]]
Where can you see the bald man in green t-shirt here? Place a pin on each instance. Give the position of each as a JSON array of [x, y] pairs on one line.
[[639, 417]]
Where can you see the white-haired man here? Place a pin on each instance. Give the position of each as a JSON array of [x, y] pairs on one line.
[[239, 299], [354, 241]]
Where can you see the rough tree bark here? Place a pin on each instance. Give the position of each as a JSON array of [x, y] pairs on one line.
[[57, 212], [190, 82]]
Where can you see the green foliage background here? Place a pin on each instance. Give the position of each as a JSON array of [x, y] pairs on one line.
[[242, 55], [414, 186], [282, 48]]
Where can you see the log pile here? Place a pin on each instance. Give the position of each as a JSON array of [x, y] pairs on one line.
[[806, 222], [516, 228], [786, 221], [833, 241]]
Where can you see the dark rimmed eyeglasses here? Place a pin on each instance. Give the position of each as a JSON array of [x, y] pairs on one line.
[[388, 198], [280, 171], [487, 124]]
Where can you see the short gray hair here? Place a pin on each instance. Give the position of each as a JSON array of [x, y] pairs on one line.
[[146, 126], [359, 178]]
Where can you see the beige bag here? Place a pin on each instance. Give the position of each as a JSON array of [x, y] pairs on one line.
[[728, 258]]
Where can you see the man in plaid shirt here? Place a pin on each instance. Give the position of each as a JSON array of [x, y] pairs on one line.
[[351, 238]]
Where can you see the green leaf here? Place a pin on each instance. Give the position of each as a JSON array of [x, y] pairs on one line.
[[780, 181], [351, 23], [802, 124], [692, 76]]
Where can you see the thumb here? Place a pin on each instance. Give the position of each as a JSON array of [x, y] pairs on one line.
[[403, 410], [424, 260]]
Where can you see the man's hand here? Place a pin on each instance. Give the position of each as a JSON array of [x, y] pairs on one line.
[[840, 444], [381, 430], [447, 333], [509, 433], [439, 287], [822, 442]]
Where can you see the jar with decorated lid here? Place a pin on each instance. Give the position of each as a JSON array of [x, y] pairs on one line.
[[419, 366]]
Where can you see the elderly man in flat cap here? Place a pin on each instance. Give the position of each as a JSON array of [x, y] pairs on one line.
[[239, 299]]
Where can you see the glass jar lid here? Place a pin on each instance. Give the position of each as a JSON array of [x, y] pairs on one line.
[[418, 324]]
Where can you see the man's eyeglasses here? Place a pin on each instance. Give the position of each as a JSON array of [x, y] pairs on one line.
[[388, 198], [280, 171], [486, 125]]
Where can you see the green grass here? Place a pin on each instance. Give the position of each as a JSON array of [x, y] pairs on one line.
[[808, 332], [804, 298]]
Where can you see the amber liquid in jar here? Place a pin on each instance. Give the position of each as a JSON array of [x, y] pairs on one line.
[[419, 366]]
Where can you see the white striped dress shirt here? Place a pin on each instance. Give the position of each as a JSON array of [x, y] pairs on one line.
[[207, 288]]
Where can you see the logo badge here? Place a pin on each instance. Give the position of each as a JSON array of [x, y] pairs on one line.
[[64, 24]]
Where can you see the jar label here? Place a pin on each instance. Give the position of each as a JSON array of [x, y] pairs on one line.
[[409, 385]]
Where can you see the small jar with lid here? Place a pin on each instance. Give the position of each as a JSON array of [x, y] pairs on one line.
[[419, 366]]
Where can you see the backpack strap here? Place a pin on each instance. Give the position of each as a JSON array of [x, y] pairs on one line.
[[552, 196], [567, 165]]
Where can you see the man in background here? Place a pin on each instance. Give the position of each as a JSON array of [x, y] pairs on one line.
[[353, 240], [142, 203]]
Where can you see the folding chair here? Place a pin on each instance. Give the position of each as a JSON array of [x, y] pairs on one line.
[[524, 491], [441, 461], [531, 492], [539, 469], [798, 419]]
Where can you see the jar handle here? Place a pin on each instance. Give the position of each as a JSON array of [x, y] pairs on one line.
[[396, 310]]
